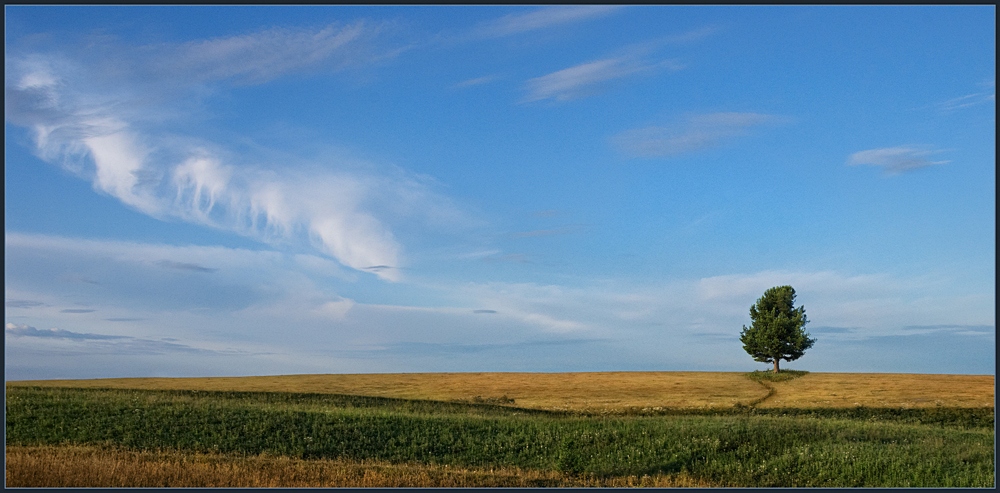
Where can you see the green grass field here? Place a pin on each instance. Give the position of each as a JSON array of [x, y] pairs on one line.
[[737, 446]]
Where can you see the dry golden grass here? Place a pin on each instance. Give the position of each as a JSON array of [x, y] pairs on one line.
[[893, 390], [606, 391], [566, 391], [78, 466]]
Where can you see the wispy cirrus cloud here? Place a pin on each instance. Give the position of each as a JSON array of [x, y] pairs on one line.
[[896, 160], [261, 56], [541, 18], [170, 264], [22, 330], [986, 96], [691, 35], [102, 131], [586, 78], [104, 343], [477, 81], [565, 230], [696, 133], [256, 295], [131, 275], [22, 303], [956, 329], [969, 100], [831, 330]]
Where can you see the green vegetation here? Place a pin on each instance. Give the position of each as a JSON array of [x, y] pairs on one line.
[[782, 376], [776, 331], [934, 447]]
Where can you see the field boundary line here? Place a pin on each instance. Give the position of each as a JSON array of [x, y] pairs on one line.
[[770, 392]]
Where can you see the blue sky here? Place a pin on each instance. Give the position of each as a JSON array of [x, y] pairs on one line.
[[274, 190]]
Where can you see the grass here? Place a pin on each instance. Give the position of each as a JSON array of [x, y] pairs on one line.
[[840, 447], [90, 466], [605, 391], [896, 390], [770, 376], [554, 391]]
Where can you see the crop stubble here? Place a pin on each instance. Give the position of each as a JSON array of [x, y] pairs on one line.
[[604, 390]]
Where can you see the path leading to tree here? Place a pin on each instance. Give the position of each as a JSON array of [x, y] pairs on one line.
[[770, 392]]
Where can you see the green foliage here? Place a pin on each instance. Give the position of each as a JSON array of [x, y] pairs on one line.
[[776, 331], [760, 448], [782, 376]]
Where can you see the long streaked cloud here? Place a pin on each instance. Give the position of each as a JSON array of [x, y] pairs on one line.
[[261, 56], [22, 330], [872, 304], [170, 264], [541, 18], [692, 35], [102, 132], [22, 303], [477, 81], [565, 230], [131, 274], [988, 96], [90, 343], [586, 78], [968, 101], [970, 330], [249, 303], [698, 132], [270, 284], [896, 160], [449, 349]]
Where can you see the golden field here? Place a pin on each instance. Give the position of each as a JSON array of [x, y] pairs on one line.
[[890, 390], [605, 391]]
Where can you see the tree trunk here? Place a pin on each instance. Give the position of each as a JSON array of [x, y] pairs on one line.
[[776, 365]]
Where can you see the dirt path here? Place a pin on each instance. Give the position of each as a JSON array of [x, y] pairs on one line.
[[771, 391]]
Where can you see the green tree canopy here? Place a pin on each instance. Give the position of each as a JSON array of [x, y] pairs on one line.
[[776, 331]]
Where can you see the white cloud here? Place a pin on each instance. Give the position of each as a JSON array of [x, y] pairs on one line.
[[988, 96], [201, 180], [475, 81], [24, 330], [692, 35], [896, 160], [335, 309], [541, 18], [261, 56], [298, 308], [875, 304], [582, 80], [968, 100], [104, 132], [119, 163], [565, 230], [697, 133], [587, 78]]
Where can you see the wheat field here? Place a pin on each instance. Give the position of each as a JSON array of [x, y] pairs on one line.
[[604, 391], [884, 390]]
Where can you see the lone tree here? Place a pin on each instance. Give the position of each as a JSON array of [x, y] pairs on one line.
[[776, 332]]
